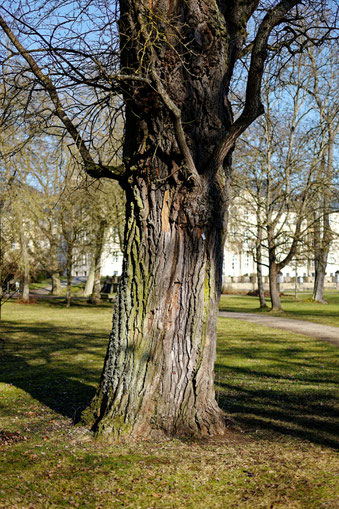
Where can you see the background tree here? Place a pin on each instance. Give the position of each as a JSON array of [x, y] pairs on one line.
[[105, 208], [281, 174], [172, 64], [323, 69]]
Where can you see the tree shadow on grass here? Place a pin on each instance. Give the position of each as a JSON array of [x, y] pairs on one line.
[[274, 389], [76, 302], [58, 367]]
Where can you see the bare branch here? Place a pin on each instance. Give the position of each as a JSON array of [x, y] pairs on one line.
[[93, 169], [253, 105]]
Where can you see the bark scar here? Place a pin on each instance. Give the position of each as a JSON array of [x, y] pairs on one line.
[[165, 226]]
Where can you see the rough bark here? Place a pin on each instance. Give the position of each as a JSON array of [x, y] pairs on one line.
[[179, 135], [159, 369], [158, 372], [274, 290]]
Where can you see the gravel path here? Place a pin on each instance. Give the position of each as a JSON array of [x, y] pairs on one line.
[[316, 330]]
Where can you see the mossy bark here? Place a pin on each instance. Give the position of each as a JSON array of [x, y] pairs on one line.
[[158, 372]]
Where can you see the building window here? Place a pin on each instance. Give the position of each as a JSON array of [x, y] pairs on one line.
[[234, 261]]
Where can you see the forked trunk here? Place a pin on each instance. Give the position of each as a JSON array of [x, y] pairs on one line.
[[158, 373]]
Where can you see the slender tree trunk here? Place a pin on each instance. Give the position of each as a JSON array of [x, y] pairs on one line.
[[274, 290], [25, 287], [320, 262], [319, 281], [56, 283], [54, 266], [69, 265], [261, 291], [158, 372], [324, 235], [96, 297], [90, 281], [25, 264]]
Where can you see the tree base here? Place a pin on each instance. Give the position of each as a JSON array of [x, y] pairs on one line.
[[211, 423]]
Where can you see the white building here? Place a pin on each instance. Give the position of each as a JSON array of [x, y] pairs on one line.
[[239, 259], [239, 254]]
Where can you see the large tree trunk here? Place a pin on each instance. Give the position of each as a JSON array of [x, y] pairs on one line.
[[179, 137], [158, 372]]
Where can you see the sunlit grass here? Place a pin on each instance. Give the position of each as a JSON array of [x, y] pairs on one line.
[[302, 308], [277, 389]]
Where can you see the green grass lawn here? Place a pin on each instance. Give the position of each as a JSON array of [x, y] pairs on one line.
[[302, 308], [277, 388]]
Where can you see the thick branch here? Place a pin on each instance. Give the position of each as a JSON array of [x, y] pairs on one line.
[[253, 106], [179, 131], [175, 111]]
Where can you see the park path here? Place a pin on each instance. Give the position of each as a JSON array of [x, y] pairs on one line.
[[316, 330]]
